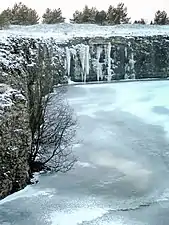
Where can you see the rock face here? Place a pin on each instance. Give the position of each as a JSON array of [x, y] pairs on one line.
[[23, 63], [14, 141], [115, 58]]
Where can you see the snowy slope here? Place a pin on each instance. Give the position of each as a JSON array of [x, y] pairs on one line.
[[63, 32]]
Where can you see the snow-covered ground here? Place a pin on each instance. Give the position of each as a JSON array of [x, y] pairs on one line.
[[66, 31], [122, 176]]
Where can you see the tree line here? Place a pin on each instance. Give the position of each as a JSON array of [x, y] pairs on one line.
[[20, 14]]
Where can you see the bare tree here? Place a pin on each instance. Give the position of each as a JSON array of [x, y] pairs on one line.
[[51, 119], [53, 142]]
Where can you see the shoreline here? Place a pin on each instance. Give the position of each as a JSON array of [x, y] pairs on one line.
[[73, 83]]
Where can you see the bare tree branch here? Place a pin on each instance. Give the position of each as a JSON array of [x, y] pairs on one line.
[[56, 136]]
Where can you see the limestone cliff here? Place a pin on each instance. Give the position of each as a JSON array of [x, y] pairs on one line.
[[94, 53], [115, 58]]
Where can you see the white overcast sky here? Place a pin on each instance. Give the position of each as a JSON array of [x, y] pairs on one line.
[[136, 9]]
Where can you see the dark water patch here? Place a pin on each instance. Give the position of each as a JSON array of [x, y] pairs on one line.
[[161, 110]]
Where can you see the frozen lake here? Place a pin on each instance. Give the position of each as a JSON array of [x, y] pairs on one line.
[[122, 176]]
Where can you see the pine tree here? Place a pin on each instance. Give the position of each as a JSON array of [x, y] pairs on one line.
[[111, 15], [142, 21], [161, 18], [53, 16], [20, 14], [77, 17], [101, 17], [6, 15], [118, 15], [86, 16], [89, 15], [4, 22]]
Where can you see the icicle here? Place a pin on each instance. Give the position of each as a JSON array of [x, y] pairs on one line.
[[126, 52], [109, 62], [132, 61], [86, 66], [126, 77], [82, 60], [127, 69], [99, 65], [68, 58], [65, 63]]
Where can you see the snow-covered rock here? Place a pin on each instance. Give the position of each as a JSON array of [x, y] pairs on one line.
[[8, 97], [66, 31], [86, 53], [14, 140]]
